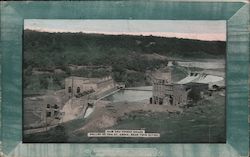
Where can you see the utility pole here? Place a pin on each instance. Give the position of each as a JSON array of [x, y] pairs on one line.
[[72, 84], [72, 91], [46, 122]]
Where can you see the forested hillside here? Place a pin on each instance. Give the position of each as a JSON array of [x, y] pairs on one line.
[[127, 55]]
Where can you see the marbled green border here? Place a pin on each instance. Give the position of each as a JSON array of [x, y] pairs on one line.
[[237, 16]]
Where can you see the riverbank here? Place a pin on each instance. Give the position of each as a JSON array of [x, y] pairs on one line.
[[203, 122], [108, 114]]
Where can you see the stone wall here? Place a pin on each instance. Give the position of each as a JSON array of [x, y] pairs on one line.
[[177, 94], [76, 85], [180, 95]]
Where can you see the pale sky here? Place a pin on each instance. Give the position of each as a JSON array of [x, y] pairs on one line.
[[200, 30]]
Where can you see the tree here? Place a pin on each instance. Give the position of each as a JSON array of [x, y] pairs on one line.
[[44, 84]]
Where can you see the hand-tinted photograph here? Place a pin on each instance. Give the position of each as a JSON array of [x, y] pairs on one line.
[[124, 81]]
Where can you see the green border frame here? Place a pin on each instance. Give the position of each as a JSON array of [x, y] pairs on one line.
[[12, 17]]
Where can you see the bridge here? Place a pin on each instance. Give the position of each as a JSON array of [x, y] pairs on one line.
[[143, 88], [102, 97]]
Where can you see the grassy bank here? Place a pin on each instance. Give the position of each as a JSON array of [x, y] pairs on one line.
[[204, 122]]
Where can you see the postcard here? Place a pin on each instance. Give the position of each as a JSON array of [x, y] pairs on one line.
[[124, 81]]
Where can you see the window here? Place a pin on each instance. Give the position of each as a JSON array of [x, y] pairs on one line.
[[48, 105], [151, 100], [56, 106], [160, 101], [56, 113], [48, 114], [171, 100], [188, 89], [69, 89], [78, 90]]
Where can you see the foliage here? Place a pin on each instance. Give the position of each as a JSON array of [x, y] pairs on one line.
[[43, 49], [49, 51]]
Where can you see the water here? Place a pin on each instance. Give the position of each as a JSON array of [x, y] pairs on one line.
[[131, 95], [203, 65], [88, 112]]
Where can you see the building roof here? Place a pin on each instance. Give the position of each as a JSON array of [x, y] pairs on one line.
[[90, 80], [77, 78], [162, 75], [200, 78], [195, 83]]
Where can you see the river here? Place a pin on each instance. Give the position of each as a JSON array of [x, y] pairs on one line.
[[132, 94], [215, 64]]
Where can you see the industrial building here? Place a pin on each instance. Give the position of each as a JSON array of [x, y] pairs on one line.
[[80, 85], [42, 110], [181, 93]]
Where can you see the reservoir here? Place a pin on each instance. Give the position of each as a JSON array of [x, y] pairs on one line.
[[218, 64], [131, 94]]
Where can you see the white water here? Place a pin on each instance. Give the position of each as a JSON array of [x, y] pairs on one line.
[[199, 78], [88, 112]]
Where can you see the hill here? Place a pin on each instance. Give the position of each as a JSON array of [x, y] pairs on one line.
[[129, 56]]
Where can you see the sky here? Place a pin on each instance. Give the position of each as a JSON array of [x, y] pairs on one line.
[[199, 30]]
